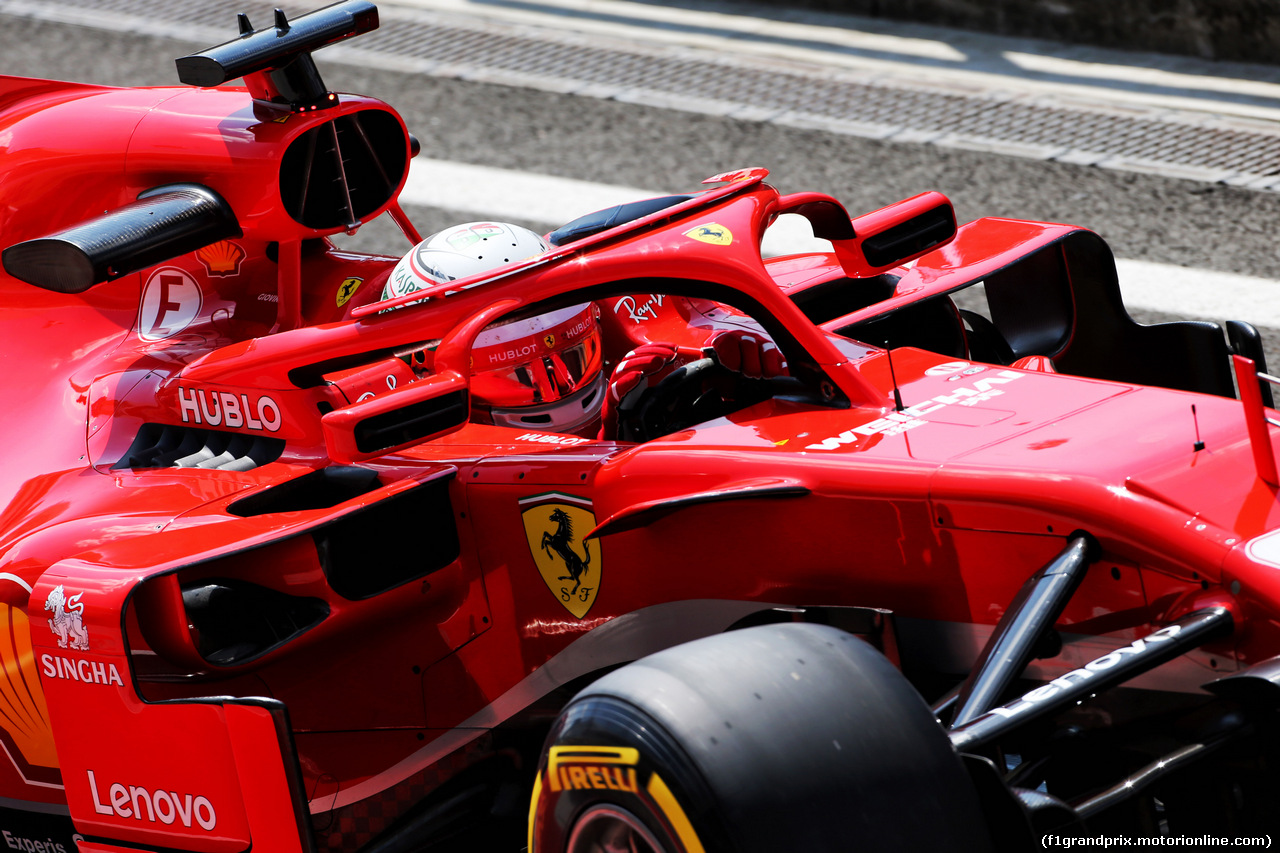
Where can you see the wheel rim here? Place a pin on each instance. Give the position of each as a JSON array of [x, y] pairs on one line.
[[609, 829]]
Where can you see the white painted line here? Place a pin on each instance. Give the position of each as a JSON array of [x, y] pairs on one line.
[[913, 54], [491, 193], [1111, 72], [692, 27], [1200, 293], [6, 576], [506, 194]]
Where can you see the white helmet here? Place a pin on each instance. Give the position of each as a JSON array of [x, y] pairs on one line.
[[461, 251], [542, 373]]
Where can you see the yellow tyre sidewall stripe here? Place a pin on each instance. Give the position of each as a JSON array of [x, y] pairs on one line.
[[666, 801], [659, 794]]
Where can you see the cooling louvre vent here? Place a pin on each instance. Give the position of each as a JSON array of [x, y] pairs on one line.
[[167, 446], [338, 173]]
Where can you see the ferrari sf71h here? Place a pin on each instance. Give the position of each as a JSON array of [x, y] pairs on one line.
[[978, 558]]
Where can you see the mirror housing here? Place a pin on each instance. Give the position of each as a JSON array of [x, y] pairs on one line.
[[879, 241], [900, 233]]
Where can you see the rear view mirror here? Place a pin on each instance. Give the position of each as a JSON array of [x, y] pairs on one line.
[[877, 242], [893, 235]]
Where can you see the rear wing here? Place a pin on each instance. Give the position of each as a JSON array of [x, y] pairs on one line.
[[1052, 290]]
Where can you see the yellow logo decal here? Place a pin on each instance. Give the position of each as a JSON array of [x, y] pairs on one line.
[[348, 289], [574, 768], [571, 569], [713, 233], [550, 341], [221, 258]]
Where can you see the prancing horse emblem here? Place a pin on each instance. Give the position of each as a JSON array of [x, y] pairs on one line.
[[559, 542], [571, 569], [711, 232]]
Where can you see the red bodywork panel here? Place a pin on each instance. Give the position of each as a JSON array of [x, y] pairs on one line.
[[382, 617]]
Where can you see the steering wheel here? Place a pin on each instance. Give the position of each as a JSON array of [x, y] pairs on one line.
[[692, 393]]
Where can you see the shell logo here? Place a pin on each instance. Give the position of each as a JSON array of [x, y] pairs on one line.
[[221, 258], [25, 733]]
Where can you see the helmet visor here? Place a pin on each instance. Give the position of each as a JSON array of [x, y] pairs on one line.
[[537, 361]]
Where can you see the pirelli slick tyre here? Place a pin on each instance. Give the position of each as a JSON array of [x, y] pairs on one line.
[[776, 738]]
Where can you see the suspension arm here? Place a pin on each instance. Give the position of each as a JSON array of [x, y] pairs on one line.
[[1158, 647]]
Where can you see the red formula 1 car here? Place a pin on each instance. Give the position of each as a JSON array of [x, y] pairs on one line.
[[954, 580]]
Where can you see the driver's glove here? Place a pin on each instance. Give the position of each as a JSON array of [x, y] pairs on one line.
[[748, 353], [637, 370]]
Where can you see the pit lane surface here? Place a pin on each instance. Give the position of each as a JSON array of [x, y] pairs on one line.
[[599, 143]]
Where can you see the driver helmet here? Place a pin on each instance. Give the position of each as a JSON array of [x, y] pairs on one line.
[[538, 373]]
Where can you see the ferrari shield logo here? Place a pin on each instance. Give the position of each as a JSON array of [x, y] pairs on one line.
[[712, 232], [347, 289], [554, 523]]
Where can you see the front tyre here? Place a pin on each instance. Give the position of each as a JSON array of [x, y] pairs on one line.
[[776, 738]]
